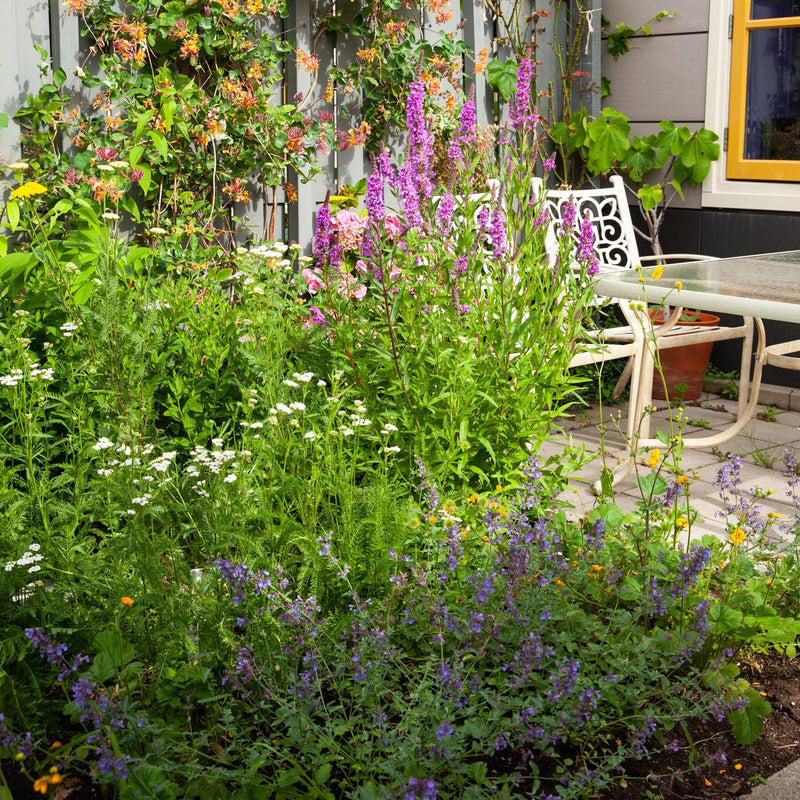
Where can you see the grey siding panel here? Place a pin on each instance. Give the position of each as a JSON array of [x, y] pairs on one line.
[[692, 16], [662, 78]]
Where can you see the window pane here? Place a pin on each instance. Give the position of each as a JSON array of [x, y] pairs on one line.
[[767, 9], [772, 123]]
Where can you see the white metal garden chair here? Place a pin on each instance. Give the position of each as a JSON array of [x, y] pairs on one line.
[[615, 247]]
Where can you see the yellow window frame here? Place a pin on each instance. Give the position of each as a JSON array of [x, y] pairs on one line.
[[738, 167]]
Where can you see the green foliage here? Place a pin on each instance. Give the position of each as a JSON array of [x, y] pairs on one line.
[[618, 40], [184, 104]]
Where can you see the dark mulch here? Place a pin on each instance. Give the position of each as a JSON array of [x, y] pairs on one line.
[[745, 766]]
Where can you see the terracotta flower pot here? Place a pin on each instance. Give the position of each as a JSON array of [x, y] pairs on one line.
[[684, 368]]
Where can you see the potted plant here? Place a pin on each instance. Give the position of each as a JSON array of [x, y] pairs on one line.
[[681, 370]]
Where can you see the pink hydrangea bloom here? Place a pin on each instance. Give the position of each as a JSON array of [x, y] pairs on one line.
[[313, 279], [350, 226], [393, 225]]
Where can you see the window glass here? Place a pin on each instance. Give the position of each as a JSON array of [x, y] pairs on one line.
[[772, 115], [770, 9]]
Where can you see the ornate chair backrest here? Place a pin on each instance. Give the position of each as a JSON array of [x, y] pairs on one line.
[[614, 237]]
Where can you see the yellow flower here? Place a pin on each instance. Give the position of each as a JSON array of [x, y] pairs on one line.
[[28, 189], [126, 601], [682, 479], [653, 458], [678, 285], [681, 522], [658, 272], [738, 536], [473, 498], [737, 766]]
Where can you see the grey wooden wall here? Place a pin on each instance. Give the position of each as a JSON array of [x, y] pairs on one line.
[[662, 77], [46, 23]]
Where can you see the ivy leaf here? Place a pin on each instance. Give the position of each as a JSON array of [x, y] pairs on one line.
[[502, 75], [650, 195], [698, 153], [640, 159], [618, 41], [605, 86], [608, 140], [670, 141]]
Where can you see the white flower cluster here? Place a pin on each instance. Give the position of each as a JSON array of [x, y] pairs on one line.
[[12, 379], [68, 328], [41, 373], [29, 559], [17, 375]]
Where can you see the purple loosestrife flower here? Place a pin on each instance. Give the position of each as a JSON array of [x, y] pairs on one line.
[[322, 233], [374, 201], [586, 254], [316, 317], [468, 120], [521, 115], [444, 214], [498, 233], [459, 267], [549, 164], [569, 213], [414, 176]]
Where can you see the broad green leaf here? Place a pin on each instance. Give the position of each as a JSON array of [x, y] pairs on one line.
[[502, 75], [147, 177], [168, 108], [650, 195], [12, 211], [59, 76], [115, 647], [749, 722], [697, 154], [14, 264], [608, 140], [3, 121], [724, 619], [639, 160], [135, 154], [160, 142]]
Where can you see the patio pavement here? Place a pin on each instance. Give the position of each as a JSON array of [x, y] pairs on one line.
[[761, 446]]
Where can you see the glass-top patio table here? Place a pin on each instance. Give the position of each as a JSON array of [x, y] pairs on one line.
[[755, 287]]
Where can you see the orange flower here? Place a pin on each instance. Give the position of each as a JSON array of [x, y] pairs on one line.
[[737, 536], [75, 6], [306, 61], [126, 601], [483, 57]]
